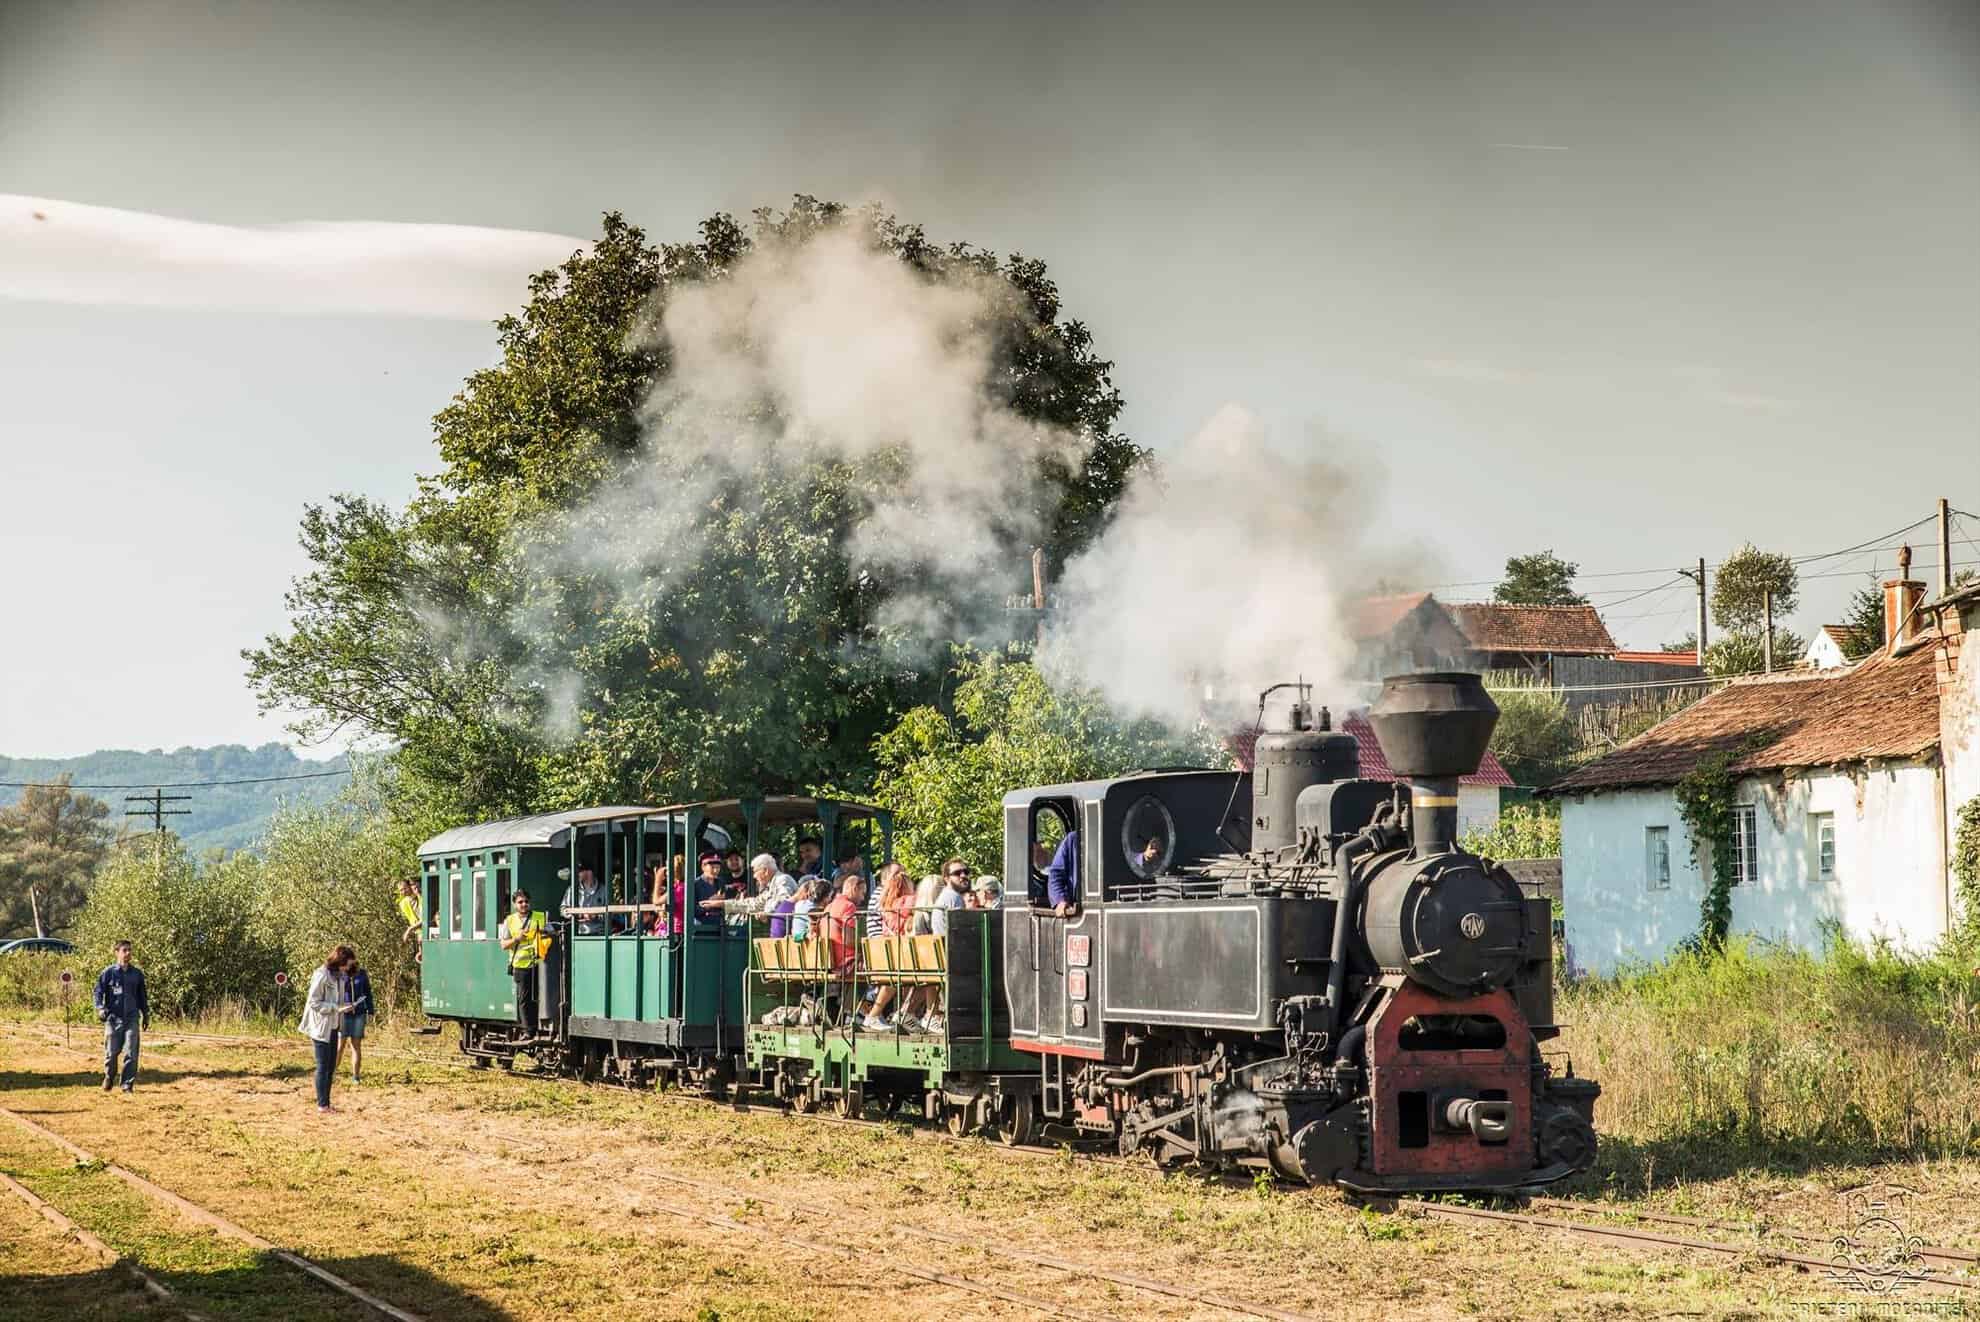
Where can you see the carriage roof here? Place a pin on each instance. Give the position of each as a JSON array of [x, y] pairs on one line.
[[549, 828]]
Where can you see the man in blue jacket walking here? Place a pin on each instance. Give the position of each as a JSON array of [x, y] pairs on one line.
[[122, 1004]]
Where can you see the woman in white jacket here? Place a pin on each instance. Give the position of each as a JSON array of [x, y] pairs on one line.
[[329, 1000]]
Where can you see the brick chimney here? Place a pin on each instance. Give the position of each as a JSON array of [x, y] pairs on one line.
[[1902, 597]]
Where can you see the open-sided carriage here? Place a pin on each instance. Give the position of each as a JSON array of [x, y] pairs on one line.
[[808, 1044]]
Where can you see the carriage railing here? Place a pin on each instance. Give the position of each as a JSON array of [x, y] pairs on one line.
[[788, 974]]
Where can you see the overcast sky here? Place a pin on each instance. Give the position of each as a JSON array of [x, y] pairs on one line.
[[1635, 282]]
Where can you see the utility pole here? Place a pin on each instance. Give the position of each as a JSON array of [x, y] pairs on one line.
[[1767, 637], [1034, 605], [157, 811], [1945, 547], [1698, 576]]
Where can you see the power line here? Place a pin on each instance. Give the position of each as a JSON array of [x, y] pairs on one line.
[[176, 785]]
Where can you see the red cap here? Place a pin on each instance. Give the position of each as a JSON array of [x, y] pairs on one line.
[[711, 857]]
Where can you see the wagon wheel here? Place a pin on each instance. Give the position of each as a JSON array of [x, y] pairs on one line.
[[958, 1121], [508, 1062], [851, 1101], [890, 1104], [477, 1062], [1016, 1120], [803, 1100]]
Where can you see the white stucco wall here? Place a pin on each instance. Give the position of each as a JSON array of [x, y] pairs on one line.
[[1959, 727], [1478, 808], [1889, 878]]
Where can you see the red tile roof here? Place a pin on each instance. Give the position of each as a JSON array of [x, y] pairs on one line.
[[1887, 707], [1373, 765], [1496, 626], [1376, 617]]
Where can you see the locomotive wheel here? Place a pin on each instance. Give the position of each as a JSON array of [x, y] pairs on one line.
[[851, 1102], [1016, 1121], [803, 1100]]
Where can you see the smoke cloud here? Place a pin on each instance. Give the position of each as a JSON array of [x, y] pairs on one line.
[[1228, 568]]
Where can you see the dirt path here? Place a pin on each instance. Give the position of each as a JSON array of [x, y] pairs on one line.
[[462, 1194]]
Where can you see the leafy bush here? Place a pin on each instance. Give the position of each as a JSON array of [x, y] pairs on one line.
[[1856, 1052], [1523, 831], [1535, 739], [196, 930]]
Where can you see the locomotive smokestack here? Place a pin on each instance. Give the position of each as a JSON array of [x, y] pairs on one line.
[[1433, 728]]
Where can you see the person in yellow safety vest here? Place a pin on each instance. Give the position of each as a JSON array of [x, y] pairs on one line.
[[409, 910], [521, 931]]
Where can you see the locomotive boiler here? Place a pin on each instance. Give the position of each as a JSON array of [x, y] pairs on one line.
[[1305, 970]]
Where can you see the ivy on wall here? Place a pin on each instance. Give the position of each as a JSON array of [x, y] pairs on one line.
[[1705, 802], [1966, 866]]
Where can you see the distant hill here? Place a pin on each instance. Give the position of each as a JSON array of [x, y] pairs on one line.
[[226, 816]]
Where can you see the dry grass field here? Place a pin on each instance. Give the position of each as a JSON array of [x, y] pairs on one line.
[[457, 1194]]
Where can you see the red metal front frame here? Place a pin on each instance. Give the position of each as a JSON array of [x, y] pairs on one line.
[[1393, 1072]]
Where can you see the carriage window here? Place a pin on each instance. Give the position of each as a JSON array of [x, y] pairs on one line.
[[1051, 822], [433, 904], [501, 894], [479, 881], [1148, 837], [454, 906]]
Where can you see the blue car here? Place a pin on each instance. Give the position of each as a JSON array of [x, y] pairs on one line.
[[52, 945]]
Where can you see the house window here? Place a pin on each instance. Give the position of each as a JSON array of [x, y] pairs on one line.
[[1657, 857], [1822, 832], [1745, 828]]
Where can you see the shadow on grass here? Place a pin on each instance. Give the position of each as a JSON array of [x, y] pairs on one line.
[[263, 1288], [20, 1083]]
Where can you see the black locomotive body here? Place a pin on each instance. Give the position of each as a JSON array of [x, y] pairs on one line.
[[1295, 965]]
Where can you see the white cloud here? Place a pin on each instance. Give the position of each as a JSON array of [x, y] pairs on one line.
[[68, 252]]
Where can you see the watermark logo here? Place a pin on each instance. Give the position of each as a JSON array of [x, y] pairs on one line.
[[1878, 1254]]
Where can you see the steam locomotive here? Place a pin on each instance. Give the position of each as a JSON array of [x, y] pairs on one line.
[[1327, 982], [1293, 967]]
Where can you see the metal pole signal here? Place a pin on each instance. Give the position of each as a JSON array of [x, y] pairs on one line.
[[156, 809]]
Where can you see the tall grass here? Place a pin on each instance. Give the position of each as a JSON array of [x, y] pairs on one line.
[[1772, 1055]]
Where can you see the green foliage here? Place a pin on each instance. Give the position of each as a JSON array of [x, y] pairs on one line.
[[1535, 739], [944, 773], [195, 930], [479, 630], [1864, 620], [1744, 579], [1966, 868], [51, 841], [1705, 803], [220, 816], [1754, 1052], [326, 877], [1523, 831], [1540, 579], [1743, 652]]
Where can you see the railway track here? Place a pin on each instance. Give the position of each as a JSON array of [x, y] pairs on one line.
[[1947, 1260], [213, 1220]]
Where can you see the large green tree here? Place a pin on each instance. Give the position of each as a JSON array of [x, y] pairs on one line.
[[1745, 580], [1540, 579], [944, 768], [500, 633], [51, 842]]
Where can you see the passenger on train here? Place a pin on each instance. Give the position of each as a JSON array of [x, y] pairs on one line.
[[809, 853], [586, 893], [1062, 877], [773, 887], [842, 923], [986, 893], [894, 907], [708, 889], [738, 878], [955, 875], [802, 905], [925, 896]]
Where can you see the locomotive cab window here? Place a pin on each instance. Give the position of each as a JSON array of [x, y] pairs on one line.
[[1148, 837], [1051, 822]]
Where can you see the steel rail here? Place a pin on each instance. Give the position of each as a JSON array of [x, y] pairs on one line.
[[1455, 1212], [1949, 1255], [213, 1220], [156, 1288]]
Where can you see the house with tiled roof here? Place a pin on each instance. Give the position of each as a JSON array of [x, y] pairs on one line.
[[1847, 787], [1404, 632], [1830, 648], [1508, 636]]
